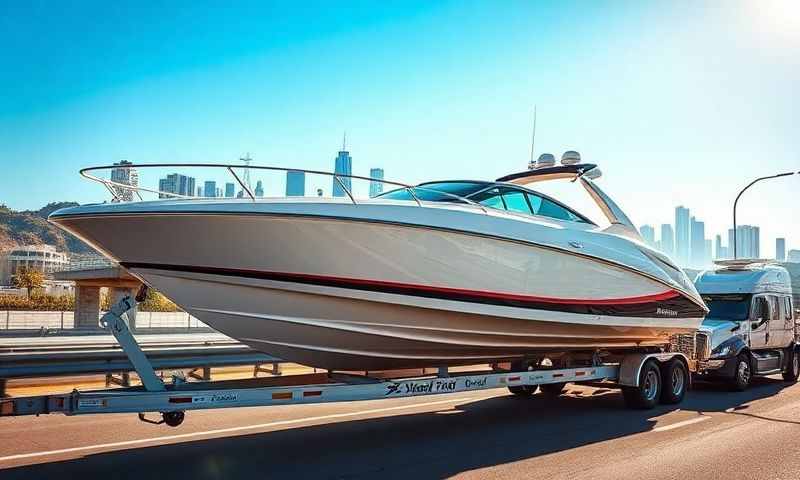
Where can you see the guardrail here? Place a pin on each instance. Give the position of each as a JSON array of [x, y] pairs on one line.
[[49, 320], [52, 359]]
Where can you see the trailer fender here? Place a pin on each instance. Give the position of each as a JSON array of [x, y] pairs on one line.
[[631, 365]]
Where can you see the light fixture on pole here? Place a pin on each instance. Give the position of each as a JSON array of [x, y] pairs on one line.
[[735, 202]]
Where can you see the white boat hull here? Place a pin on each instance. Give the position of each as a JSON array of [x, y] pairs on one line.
[[352, 294]]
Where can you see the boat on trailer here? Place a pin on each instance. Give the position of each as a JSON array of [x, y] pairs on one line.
[[437, 274]]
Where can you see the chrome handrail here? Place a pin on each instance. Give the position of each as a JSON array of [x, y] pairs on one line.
[[110, 184]]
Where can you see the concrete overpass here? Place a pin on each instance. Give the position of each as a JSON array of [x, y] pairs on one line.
[[88, 282]]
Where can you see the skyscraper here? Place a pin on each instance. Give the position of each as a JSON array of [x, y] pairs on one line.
[[748, 241], [780, 249], [667, 239], [295, 183], [648, 234], [375, 188], [720, 252], [259, 189], [344, 166], [682, 228], [177, 184], [697, 247], [230, 190], [126, 176], [210, 188], [707, 253]]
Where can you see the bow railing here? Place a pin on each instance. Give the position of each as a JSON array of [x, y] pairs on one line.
[[115, 187]]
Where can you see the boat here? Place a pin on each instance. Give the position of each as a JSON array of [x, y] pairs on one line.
[[437, 274]]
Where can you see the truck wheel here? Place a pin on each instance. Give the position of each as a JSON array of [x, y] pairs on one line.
[[792, 369], [523, 390], [742, 374], [646, 395], [674, 381], [553, 389]]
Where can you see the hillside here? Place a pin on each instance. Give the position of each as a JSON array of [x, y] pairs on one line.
[[30, 227]]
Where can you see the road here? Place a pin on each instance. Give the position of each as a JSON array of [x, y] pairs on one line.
[[585, 433]]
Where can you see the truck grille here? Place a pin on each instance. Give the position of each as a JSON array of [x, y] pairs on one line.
[[683, 343], [702, 346]]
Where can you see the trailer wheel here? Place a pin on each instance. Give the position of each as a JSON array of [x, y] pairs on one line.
[[674, 380], [742, 374], [523, 390], [552, 389], [173, 419], [793, 366], [646, 395]]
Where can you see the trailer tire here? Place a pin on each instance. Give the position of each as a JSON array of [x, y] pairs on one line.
[[743, 373], [674, 381], [646, 395], [553, 390], [523, 390], [792, 369]]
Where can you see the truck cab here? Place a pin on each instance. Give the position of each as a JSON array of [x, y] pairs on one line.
[[750, 329]]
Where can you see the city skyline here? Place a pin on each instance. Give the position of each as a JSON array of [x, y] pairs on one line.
[[453, 99]]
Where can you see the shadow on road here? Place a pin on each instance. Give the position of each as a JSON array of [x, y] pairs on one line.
[[477, 434]]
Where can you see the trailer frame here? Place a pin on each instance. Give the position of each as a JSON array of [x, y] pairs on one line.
[[633, 373]]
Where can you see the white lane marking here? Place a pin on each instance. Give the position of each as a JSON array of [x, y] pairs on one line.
[[229, 430], [684, 423]]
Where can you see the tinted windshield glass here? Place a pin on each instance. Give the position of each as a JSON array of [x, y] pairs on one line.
[[728, 307], [430, 191]]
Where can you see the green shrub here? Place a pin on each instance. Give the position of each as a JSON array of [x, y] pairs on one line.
[[40, 302]]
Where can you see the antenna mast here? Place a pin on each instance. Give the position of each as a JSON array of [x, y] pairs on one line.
[[532, 163]]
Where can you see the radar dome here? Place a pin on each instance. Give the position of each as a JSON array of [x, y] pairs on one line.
[[570, 157], [546, 160]]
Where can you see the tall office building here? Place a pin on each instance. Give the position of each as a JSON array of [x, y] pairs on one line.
[[667, 239], [648, 234], [375, 188], [259, 189], [720, 252], [780, 249], [177, 184], [210, 188], [344, 166], [697, 247], [218, 193], [682, 228], [707, 254], [295, 183], [126, 176], [230, 190], [793, 256], [748, 241], [199, 192]]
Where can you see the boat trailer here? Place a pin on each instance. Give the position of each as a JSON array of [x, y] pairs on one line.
[[645, 378]]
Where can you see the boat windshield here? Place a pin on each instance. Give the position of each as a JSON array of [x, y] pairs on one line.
[[431, 191], [728, 307]]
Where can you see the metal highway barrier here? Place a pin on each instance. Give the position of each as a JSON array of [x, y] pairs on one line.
[[29, 359]]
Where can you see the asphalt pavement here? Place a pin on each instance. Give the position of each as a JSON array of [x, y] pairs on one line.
[[585, 433]]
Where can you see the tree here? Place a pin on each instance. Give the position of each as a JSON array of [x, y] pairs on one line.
[[29, 279]]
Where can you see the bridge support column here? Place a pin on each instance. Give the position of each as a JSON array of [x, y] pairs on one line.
[[87, 307]]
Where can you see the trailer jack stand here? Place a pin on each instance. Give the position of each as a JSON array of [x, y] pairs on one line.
[[173, 419]]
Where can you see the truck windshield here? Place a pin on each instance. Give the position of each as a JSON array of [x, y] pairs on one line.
[[728, 307]]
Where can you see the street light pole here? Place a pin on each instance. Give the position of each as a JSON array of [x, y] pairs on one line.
[[735, 202]]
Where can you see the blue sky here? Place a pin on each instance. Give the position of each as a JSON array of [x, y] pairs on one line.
[[679, 102]]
